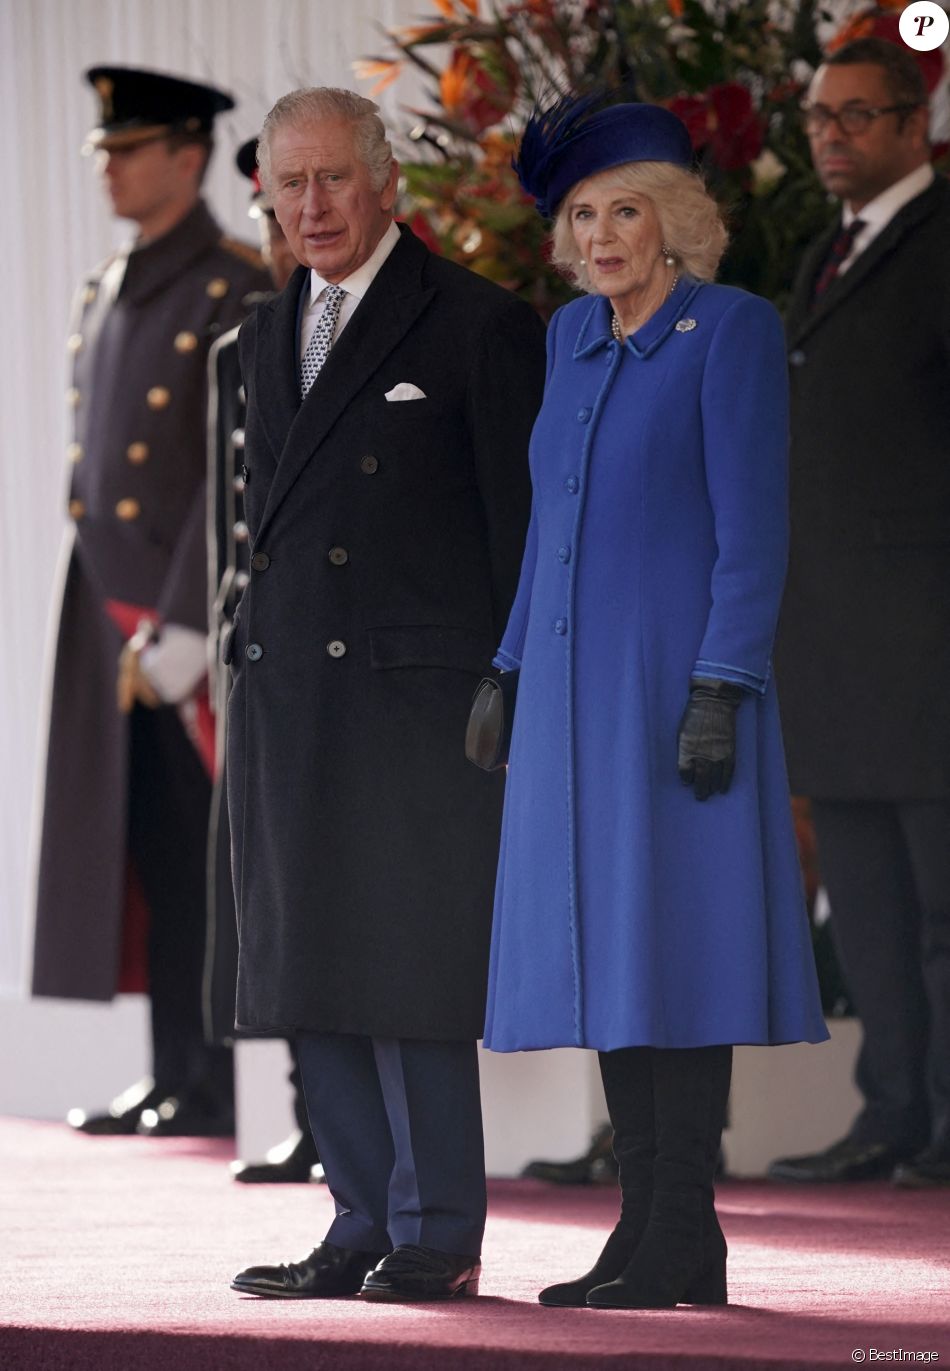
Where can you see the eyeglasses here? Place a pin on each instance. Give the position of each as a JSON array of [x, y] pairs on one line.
[[853, 119]]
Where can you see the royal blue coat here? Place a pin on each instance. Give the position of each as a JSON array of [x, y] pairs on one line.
[[627, 912]]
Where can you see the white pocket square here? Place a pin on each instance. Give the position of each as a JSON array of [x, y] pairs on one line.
[[405, 391]]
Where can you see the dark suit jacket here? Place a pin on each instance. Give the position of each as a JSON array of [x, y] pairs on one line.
[[863, 651], [386, 544]]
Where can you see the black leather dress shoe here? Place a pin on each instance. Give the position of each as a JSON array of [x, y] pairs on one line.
[[847, 1160], [596, 1165], [928, 1169], [123, 1114], [422, 1273], [328, 1272], [187, 1116], [289, 1162]]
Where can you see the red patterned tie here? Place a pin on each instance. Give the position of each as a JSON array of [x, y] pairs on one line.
[[837, 254]]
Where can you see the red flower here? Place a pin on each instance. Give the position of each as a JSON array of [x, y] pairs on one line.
[[471, 94], [423, 229], [725, 121]]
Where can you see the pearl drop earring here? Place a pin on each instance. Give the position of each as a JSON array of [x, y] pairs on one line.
[[668, 258]]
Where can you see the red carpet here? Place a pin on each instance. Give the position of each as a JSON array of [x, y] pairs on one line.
[[116, 1255]]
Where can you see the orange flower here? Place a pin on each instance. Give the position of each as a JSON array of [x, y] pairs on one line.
[[445, 8], [381, 70], [470, 94], [675, 8]]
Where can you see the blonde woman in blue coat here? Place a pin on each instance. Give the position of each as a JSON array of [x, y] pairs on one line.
[[649, 902]]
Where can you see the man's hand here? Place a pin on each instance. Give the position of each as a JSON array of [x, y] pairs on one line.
[[132, 685], [707, 737]]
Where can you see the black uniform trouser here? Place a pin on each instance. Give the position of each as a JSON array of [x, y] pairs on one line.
[[169, 799], [886, 867]]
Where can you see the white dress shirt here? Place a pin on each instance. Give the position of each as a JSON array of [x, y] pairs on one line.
[[879, 212], [356, 285]]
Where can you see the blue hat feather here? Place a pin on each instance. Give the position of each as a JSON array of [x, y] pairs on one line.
[[577, 135]]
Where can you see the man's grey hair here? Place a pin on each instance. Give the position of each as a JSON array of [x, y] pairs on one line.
[[328, 102]]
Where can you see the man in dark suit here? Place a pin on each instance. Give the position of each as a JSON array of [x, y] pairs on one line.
[[121, 899], [863, 652], [390, 399]]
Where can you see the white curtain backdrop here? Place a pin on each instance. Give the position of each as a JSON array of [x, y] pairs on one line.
[[53, 227]]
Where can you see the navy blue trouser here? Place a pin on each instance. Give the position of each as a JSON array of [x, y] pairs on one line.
[[398, 1126]]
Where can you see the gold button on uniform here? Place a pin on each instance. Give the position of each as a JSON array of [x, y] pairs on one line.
[[217, 288], [186, 342], [158, 397], [89, 294], [74, 342], [76, 509], [74, 452], [128, 510], [241, 532], [73, 397], [137, 453]]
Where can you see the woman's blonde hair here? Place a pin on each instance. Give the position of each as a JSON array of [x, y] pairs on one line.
[[690, 220]]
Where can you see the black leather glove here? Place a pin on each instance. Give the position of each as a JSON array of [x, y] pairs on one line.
[[707, 736]]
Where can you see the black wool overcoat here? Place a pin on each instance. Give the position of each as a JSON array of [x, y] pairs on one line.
[[386, 542], [137, 539], [863, 651]]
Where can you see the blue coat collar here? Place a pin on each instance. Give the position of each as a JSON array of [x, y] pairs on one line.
[[595, 329]]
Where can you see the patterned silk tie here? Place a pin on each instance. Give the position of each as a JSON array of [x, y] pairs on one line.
[[321, 340], [837, 254]]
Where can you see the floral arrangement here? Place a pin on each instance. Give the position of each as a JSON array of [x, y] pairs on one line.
[[733, 70]]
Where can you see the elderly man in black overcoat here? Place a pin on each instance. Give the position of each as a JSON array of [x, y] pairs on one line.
[[125, 820], [390, 399], [863, 651]]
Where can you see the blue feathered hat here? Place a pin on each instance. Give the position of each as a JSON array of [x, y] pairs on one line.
[[577, 135]]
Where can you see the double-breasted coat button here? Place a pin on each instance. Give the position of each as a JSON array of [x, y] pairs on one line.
[[73, 397], [583, 415], [564, 554], [336, 648], [137, 453], [254, 652], [186, 341], [560, 626], [237, 438], [572, 485], [241, 531], [76, 509], [797, 358], [159, 397], [369, 465], [74, 342], [127, 510], [260, 561], [217, 288], [74, 452], [339, 556]]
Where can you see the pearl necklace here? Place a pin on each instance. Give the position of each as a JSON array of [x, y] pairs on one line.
[[615, 322]]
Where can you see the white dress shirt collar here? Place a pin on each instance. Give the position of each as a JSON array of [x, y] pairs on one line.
[[878, 213], [359, 281]]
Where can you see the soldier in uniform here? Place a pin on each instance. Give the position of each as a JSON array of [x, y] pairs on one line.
[[122, 882], [229, 570]]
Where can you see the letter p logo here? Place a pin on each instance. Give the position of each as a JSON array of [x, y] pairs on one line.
[[924, 26]]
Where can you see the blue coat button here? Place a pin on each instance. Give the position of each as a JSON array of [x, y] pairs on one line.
[[583, 415], [254, 652], [797, 358], [564, 554], [572, 485], [560, 626]]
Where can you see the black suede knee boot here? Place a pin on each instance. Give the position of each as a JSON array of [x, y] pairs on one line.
[[627, 1075], [681, 1258]]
